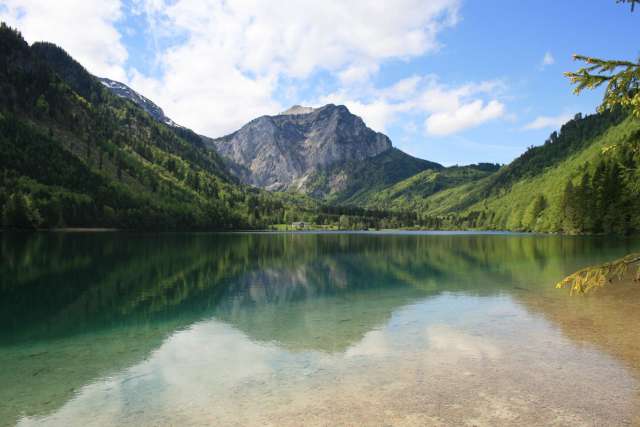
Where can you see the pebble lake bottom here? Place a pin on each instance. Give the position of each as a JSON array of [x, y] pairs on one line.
[[195, 329]]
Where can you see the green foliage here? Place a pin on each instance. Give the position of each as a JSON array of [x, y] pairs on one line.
[[410, 193], [74, 154], [533, 212], [596, 154], [19, 212], [622, 80], [355, 182], [42, 106], [84, 157], [591, 278], [609, 201]]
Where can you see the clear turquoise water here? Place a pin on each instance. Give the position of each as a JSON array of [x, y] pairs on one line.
[[314, 329]]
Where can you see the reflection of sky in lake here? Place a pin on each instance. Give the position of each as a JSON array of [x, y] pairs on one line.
[[450, 358], [287, 329]]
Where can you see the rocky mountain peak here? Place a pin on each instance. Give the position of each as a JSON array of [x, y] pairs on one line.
[[279, 152], [297, 109]]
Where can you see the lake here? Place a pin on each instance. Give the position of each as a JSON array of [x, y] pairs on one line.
[[313, 329]]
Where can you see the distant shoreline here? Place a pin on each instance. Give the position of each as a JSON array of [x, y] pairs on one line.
[[83, 229], [264, 231], [302, 231], [63, 230]]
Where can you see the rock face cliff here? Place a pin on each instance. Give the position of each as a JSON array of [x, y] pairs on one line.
[[280, 152]]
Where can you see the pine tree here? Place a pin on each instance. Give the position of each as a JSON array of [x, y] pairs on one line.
[[19, 212], [622, 80], [612, 194], [621, 77], [599, 196], [42, 107], [570, 223], [585, 203], [532, 213], [631, 2], [119, 166]]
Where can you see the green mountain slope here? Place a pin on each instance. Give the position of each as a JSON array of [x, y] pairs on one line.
[[355, 182], [410, 193], [72, 153], [585, 179]]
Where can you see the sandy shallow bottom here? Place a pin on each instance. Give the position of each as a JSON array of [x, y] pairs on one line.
[[449, 360]]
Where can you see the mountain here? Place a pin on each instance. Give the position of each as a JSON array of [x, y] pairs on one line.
[[278, 152], [73, 153], [583, 179], [297, 109], [353, 182], [146, 104], [311, 150], [408, 193]]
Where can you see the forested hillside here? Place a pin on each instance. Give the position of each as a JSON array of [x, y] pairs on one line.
[[584, 179], [74, 154], [411, 192], [355, 182]]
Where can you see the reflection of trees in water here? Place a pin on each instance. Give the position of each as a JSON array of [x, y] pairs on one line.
[[79, 282], [106, 279], [117, 296]]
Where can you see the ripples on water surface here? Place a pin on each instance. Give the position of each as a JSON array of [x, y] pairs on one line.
[[315, 329]]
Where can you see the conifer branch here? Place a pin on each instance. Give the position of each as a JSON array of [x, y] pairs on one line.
[[622, 79], [631, 2], [590, 278]]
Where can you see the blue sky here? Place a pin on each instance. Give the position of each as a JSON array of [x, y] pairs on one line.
[[453, 81]]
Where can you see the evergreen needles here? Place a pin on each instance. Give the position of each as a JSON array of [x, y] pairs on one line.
[[622, 79], [590, 278]]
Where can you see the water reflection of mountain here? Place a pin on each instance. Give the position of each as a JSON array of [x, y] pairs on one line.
[[106, 301], [61, 284], [326, 304]]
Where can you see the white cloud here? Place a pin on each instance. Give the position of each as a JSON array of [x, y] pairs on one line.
[[456, 109], [403, 88], [447, 344], [548, 122], [357, 74], [85, 29], [377, 113], [548, 59], [227, 60], [223, 63], [466, 116], [213, 103], [445, 110]]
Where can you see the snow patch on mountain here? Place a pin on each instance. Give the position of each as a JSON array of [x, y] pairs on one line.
[[124, 91]]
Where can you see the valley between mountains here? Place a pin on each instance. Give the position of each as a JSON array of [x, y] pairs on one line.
[[83, 151]]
